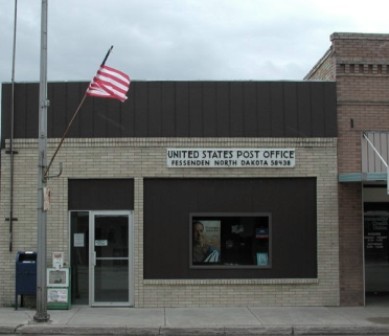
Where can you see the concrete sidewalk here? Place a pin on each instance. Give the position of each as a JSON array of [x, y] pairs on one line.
[[83, 320]]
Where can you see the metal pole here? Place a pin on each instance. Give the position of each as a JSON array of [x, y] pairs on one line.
[[11, 140], [41, 295]]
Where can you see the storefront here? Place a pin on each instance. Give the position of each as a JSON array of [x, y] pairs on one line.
[[375, 213], [189, 194]]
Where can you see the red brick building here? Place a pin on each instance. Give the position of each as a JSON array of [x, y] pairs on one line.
[[359, 63]]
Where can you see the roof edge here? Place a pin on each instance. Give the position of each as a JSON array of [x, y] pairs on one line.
[[326, 55], [359, 36]]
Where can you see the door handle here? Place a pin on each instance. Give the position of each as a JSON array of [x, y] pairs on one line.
[[94, 258]]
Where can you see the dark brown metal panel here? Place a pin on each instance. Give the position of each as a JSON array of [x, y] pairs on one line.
[[107, 116], [155, 107], [141, 109], [318, 109], [209, 108], [101, 194], [31, 109], [96, 118], [291, 110], [236, 109], [26, 110], [182, 109], [88, 120], [264, 109], [104, 116], [304, 109], [6, 113], [250, 109], [222, 109], [127, 110], [56, 119], [277, 109], [294, 243], [168, 109], [195, 109], [329, 108], [75, 93]]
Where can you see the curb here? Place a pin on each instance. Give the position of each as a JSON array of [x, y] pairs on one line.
[[63, 329], [86, 330], [5, 330], [227, 331], [341, 330]]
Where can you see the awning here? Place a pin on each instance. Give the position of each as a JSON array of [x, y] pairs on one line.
[[375, 155], [362, 177]]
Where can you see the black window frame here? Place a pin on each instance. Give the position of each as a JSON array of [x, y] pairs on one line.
[[193, 217]]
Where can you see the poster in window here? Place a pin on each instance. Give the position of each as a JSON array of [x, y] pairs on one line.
[[262, 259], [206, 241]]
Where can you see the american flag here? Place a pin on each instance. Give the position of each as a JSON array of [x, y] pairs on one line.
[[109, 83]]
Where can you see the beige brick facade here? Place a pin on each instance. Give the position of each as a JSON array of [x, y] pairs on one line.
[[142, 158]]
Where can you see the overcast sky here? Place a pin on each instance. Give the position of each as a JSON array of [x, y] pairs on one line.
[[181, 39]]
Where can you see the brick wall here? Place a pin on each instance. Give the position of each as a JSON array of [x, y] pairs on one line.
[[361, 70], [362, 87], [140, 158], [324, 68], [351, 245]]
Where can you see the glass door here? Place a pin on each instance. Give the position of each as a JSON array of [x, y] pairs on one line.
[[376, 224], [110, 259], [79, 242]]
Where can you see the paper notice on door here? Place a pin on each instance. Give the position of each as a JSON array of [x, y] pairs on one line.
[[101, 242], [78, 240]]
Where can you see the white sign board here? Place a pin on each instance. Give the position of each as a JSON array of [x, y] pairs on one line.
[[101, 242], [58, 258], [78, 240], [231, 157], [57, 295]]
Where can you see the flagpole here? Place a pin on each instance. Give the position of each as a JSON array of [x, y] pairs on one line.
[[106, 56], [41, 295], [46, 173], [64, 136]]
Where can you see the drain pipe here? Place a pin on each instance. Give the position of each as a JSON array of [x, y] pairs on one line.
[[11, 150]]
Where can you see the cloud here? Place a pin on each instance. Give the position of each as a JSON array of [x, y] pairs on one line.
[[181, 39]]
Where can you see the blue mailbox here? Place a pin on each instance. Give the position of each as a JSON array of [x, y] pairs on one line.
[[25, 276]]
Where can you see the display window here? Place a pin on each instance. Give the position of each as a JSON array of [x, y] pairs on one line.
[[230, 240]]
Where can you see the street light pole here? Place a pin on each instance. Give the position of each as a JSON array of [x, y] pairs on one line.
[[41, 295]]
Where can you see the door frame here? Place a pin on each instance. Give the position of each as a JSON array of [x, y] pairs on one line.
[[91, 254], [92, 258]]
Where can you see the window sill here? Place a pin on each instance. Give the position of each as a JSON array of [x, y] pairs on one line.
[[218, 282]]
